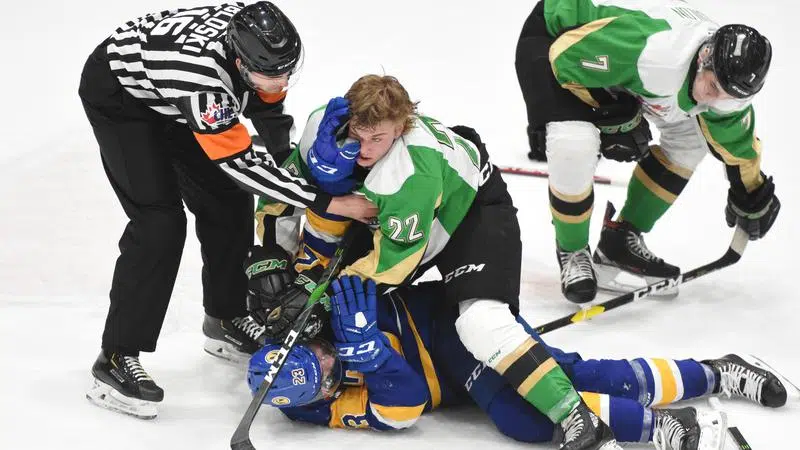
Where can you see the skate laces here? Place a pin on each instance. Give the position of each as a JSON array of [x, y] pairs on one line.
[[573, 425], [575, 265], [636, 243], [731, 377], [668, 433], [249, 326], [135, 369]]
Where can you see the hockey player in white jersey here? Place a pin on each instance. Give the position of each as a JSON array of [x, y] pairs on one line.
[[441, 203], [589, 71]]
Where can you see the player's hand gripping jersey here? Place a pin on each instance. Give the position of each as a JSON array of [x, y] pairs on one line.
[[423, 188], [649, 49]]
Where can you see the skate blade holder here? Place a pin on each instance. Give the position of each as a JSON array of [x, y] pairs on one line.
[[792, 390], [225, 351], [713, 426], [618, 281], [109, 398]]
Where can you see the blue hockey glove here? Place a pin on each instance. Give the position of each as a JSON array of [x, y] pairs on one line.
[[339, 187], [327, 161], [354, 318]]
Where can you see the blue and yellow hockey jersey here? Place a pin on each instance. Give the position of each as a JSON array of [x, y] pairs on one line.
[[403, 388], [407, 385], [430, 367]]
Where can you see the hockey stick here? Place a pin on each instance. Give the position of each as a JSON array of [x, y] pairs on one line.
[[543, 174], [734, 253], [739, 439], [241, 437], [257, 141]]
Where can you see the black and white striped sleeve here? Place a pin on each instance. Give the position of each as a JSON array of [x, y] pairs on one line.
[[227, 142], [257, 173]]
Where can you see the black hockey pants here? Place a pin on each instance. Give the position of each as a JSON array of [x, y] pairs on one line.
[[154, 166], [545, 99]]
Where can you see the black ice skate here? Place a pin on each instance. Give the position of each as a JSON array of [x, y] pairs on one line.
[[235, 339], [583, 430], [739, 378], [624, 263], [578, 278], [676, 429], [686, 429], [121, 384]]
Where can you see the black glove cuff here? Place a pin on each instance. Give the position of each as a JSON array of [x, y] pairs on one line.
[[262, 261], [621, 124], [755, 201], [621, 115]]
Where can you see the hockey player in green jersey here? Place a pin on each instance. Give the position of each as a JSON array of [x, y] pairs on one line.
[[440, 203], [589, 70]]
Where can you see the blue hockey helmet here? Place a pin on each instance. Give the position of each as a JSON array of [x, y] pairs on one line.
[[312, 372]]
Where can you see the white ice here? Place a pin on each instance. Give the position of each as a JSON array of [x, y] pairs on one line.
[[60, 222]]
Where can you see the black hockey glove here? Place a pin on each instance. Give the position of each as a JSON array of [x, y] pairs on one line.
[[754, 212], [469, 134], [624, 133], [269, 274], [288, 307], [280, 314]]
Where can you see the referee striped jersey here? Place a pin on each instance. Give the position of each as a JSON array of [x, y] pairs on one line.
[[177, 63]]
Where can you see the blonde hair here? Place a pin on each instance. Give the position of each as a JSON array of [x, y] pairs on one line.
[[375, 98]]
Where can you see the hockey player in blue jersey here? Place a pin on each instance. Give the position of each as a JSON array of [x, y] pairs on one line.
[[390, 361]]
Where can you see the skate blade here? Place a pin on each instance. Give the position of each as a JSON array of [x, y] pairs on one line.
[[713, 429], [791, 388], [614, 279], [225, 351], [107, 397], [611, 445]]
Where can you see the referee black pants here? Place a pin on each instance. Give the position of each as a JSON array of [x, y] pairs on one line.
[[155, 166]]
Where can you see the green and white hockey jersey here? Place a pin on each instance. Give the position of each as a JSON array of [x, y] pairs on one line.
[[422, 187], [649, 48]]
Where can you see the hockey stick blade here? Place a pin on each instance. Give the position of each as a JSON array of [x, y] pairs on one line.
[[241, 437], [731, 256], [544, 174]]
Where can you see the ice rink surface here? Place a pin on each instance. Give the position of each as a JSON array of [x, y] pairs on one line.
[[60, 222]]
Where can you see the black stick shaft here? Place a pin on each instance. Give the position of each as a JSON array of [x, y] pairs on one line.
[[734, 253], [241, 437]]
